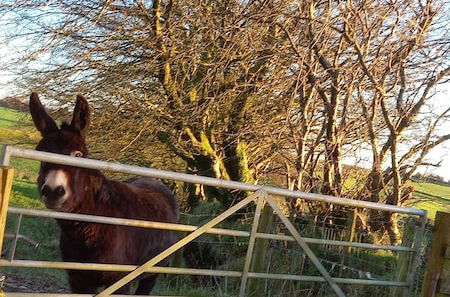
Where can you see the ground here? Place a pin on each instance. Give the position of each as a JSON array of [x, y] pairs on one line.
[[18, 283]]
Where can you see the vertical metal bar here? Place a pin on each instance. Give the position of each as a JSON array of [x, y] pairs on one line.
[[305, 247], [155, 260], [16, 238], [6, 178], [251, 245], [5, 155], [415, 262]]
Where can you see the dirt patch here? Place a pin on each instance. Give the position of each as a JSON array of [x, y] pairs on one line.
[[18, 283]]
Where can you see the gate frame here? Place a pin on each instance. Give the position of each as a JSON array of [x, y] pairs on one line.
[[262, 193]]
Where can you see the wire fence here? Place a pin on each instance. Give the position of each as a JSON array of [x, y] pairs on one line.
[[286, 257]]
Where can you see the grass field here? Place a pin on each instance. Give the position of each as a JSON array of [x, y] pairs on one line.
[[432, 197], [16, 129]]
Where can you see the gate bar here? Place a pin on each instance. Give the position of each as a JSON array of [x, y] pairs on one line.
[[251, 245], [116, 267], [121, 221], [397, 248], [209, 181], [305, 246], [338, 280], [180, 227], [194, 271], [176, 246], [77, 295]]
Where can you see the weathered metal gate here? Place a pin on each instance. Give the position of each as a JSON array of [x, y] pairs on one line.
[[261, 195]]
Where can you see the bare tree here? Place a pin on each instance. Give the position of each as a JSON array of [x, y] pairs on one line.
[[249, 90]]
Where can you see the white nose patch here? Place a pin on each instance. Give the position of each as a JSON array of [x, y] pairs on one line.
[[56, 178]]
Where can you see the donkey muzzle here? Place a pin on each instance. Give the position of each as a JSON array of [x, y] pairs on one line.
[[53, 197]]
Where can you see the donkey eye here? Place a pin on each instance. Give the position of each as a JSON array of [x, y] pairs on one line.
[[76, 154]]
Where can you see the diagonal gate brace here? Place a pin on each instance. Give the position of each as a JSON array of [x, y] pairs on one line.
[[176, 246], [304, 246]]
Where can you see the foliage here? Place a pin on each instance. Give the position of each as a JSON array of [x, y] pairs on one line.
[[432, 178]]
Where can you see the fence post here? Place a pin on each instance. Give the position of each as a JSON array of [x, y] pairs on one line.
[[404, 259], [254, 287], [351, 223], [437, 278], [6, 178], [349, 234]]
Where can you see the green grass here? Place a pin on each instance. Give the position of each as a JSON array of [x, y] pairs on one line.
[[431, 197], [10, 117], [435, 189], [16, 129]]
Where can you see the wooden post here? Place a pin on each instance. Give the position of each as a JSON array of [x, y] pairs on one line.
[[260, 251], [349, 235], [437, 279], [404, 259], [351, 224], [6, 178]]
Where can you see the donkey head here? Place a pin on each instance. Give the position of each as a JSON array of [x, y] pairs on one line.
[[56, 183]]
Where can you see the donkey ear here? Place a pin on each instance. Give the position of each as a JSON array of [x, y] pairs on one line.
[[81, 118], [43, 122]]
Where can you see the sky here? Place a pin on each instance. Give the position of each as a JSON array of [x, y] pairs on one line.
[[441, 153]]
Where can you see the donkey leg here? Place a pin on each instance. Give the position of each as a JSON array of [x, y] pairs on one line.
[[124, 290], [146, 285], [80, 284]]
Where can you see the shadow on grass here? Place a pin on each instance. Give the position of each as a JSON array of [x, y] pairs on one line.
[[430, 197]]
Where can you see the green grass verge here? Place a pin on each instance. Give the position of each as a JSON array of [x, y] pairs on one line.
[[431, 197], [10, 117]]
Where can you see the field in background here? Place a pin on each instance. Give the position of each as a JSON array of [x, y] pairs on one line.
[[432, 197]]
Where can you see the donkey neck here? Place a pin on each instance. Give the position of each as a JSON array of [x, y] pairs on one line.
[[94, 193]]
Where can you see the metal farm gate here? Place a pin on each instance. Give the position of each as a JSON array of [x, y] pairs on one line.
[[261, 195]]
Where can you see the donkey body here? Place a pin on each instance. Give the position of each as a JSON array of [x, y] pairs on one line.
[[88, 191]]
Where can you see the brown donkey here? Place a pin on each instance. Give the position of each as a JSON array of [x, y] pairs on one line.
[[87, 191]]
